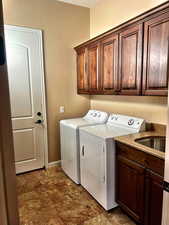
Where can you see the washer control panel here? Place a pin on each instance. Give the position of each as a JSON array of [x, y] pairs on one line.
[[97, 116]]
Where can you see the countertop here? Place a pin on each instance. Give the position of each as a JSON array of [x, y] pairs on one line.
[[156, 130]]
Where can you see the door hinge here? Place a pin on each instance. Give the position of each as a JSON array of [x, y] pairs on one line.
[[166, 186]]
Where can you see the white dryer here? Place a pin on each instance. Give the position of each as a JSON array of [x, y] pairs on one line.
[[69, 135], [97, 156]]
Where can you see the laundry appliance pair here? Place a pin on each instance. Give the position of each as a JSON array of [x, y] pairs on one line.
[[88, 151]]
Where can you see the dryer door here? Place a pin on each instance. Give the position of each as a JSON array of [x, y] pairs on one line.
[[93, 166]]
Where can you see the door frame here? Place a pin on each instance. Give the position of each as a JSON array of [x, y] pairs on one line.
[[3, 207], [165, 215], [8, 195], [43, 86]]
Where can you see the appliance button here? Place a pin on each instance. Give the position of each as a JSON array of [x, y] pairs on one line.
[[130, 122]]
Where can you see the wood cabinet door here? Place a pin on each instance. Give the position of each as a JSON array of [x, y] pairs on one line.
[[94, 68], [130, 60], [154, 199], [82, 75], [155, 67], [109, 64], [130, 187]]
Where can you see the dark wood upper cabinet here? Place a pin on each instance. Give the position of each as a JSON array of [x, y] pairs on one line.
[[130, 60], [130, 186], [156, 46], [94, 68], [109, 63], [82, 75]]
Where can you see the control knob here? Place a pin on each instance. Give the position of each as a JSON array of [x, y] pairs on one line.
[[130, 122]]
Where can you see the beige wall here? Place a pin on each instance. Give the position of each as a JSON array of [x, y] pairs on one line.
[[110, 13], [64, 26], [153, 109], [103, 17]]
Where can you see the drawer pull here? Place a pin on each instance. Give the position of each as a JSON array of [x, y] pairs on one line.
[[146, 161]]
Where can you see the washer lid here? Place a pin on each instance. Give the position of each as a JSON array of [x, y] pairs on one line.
[[91, 118], [77, 122], [107, 131]]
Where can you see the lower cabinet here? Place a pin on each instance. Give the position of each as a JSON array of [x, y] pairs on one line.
[[154, 198], [130, 183], [139, 184]]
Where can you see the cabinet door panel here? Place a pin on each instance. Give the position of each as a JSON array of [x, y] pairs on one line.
[[130, 61], [94, 68], [109, 64], [155, 70], [130, 187], [154, 199], [82, 76]]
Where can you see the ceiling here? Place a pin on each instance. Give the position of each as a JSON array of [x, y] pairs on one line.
[[85, 3]]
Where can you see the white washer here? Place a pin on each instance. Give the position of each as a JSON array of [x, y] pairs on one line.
[[97, 156], [69, 135]]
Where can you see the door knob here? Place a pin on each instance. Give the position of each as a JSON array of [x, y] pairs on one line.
[[39, 114], [38, 121]]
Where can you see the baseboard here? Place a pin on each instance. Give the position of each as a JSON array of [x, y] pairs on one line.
[[55, 163]]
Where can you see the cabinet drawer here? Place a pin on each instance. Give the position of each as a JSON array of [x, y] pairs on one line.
[[148, 161], [131, 153], [155, 164]]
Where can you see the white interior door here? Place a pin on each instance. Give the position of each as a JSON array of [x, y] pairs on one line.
[[25, 71]]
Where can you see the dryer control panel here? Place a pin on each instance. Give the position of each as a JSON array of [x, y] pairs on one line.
[[127, 121]]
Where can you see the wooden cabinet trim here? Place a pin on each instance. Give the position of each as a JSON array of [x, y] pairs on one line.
[[114, 41], [132, 164], [136, 30], [95, 46], [85, 81], [147, 89]]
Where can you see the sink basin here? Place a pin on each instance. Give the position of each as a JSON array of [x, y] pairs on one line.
[[154, 142]]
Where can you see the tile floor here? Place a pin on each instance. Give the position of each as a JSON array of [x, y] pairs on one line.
[[51, 198]]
